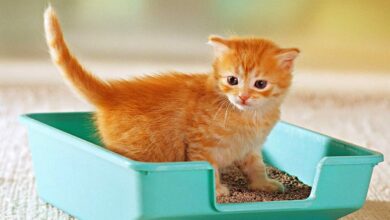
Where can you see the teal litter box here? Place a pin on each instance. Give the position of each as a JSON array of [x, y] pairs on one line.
[[76, 174]]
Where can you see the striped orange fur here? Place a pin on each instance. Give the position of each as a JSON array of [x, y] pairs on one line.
[[190, 117]]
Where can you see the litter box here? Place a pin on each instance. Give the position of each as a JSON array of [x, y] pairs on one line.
[[76, 174]]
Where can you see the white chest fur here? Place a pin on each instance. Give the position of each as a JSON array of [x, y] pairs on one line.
[[237, 146]]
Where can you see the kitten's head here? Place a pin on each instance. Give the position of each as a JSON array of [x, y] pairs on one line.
[[252, 72]]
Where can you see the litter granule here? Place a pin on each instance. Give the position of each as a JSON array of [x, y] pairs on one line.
[[239, 192]]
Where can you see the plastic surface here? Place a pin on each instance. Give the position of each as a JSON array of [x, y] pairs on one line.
[[74, 173]]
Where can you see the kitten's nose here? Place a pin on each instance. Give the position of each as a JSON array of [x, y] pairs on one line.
[[244, 97]]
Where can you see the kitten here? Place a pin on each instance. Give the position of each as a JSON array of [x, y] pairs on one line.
[[222, 117]]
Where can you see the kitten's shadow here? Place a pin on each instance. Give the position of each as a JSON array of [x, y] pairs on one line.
[[372, 210]]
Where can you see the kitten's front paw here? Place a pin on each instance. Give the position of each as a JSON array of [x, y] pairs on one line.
[[267, 185], [222, 190]]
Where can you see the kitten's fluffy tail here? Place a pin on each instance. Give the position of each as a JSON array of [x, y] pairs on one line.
[[98, 92]]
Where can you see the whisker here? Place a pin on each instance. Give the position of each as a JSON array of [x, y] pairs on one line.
[[256, 115], [226, 115], [228, 110], [219, 109]]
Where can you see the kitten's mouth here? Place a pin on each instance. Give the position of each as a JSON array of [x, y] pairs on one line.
[[242, 105], [244, 102]]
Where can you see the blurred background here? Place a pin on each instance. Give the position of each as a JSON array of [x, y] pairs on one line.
[[341, 81], [120, 36]]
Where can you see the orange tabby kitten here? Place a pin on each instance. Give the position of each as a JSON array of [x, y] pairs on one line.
[[222, 117]]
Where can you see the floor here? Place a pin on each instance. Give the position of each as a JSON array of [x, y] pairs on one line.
[[354, 117]]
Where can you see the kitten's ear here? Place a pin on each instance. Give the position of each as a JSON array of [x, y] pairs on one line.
[[286, 57], [219, 44]]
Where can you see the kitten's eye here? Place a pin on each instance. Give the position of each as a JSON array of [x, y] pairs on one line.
[[261, 84], [232, 80]]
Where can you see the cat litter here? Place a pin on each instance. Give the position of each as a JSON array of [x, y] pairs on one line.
[[239, 192]]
